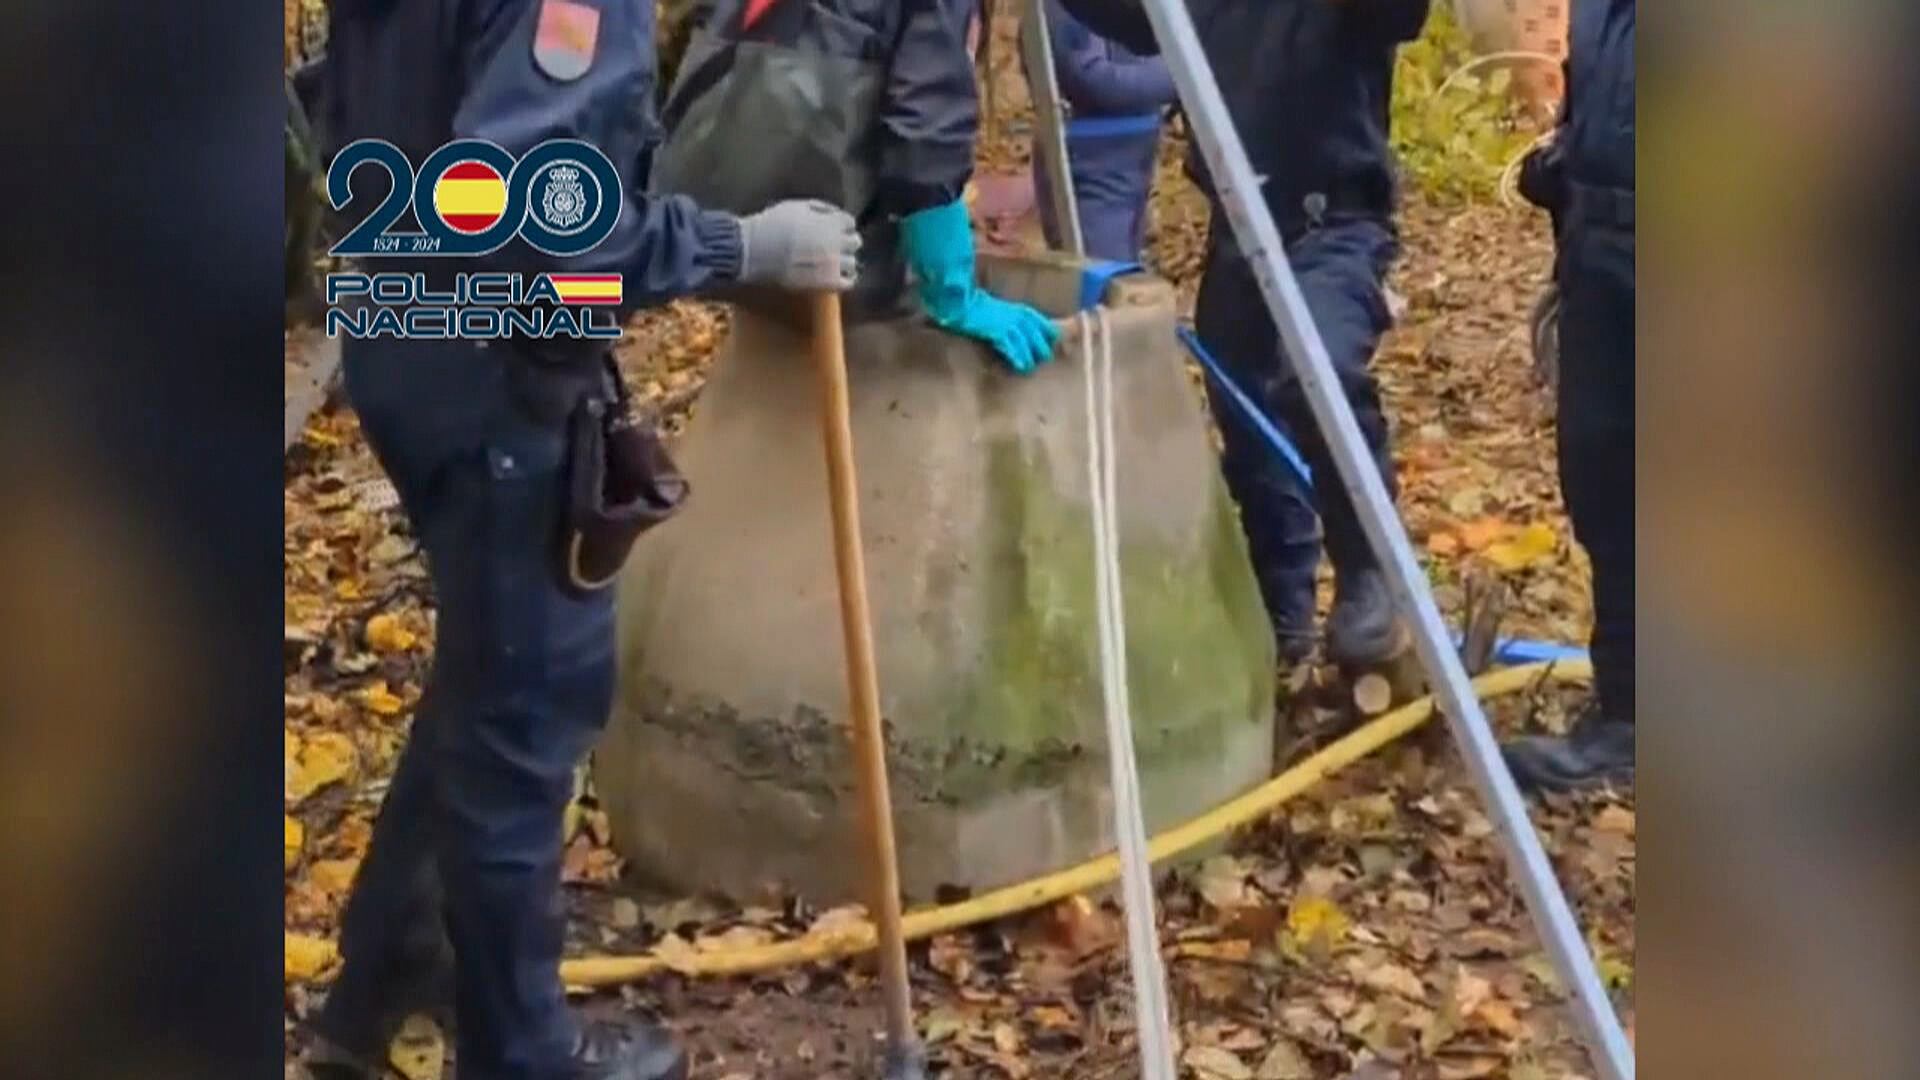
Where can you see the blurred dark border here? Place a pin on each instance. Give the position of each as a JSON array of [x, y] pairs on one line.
[[142, 307], [1779, 864]]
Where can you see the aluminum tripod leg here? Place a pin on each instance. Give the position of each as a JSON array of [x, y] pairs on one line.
[[1036, 54], [1253, 226]]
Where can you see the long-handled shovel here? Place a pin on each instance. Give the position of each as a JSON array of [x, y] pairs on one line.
[[903, 1056]]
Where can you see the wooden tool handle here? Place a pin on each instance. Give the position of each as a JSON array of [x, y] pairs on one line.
[[863, 685]]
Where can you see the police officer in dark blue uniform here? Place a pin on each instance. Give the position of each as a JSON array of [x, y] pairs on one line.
[[474, 436], [1117, 98], [1308, 83], [1585, 179]]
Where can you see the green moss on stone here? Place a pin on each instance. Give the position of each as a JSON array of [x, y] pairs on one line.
[[1199, 652]]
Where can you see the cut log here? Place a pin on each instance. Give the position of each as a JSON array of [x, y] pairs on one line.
[[1372, 694], [1374, 689]]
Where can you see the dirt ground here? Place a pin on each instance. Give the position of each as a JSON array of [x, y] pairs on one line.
[[1424, 962]]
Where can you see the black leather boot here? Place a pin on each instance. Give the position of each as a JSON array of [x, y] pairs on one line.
[[1597, 752], [1361, 629]]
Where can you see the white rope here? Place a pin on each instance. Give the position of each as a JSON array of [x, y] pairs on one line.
[[1479, 62], [1509, 186], [1151, 1014]]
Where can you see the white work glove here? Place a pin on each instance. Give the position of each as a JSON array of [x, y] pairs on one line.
[[802, 244]]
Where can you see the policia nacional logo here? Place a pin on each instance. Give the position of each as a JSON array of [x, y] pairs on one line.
[[472, 198]]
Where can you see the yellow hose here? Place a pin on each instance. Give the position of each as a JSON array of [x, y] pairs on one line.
[[597, 971]]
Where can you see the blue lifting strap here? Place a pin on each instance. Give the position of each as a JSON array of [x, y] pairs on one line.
[[1280, 443], [1097, 276]]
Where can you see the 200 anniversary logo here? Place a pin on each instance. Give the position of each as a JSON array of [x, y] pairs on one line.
[[470, 198]]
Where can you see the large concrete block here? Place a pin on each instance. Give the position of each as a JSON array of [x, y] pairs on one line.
[[727, 766]]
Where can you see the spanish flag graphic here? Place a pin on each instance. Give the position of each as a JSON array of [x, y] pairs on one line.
[[470, 197], [586, 288]]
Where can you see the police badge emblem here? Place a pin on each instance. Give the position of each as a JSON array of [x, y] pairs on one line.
[[563, 41], [563, 205]]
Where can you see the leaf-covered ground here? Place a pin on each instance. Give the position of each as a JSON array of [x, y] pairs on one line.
[[1369, 929]]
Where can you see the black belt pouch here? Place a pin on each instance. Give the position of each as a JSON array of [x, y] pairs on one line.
[[620, 483]]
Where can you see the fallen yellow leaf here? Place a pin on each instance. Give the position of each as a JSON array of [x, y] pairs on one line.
[[1053, 1017], [418, 1050], [308, 957], [1443, 543], [296, 836], [386, 634], [327, 758], [1534, 543], [333, 876], [379, 699], [1316, 924]]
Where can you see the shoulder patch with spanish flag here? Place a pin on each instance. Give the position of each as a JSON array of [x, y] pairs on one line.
[[564, 40]]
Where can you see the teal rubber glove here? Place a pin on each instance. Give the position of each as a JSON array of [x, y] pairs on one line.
[[939, 247]]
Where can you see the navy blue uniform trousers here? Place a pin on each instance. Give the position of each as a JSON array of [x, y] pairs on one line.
[[1341, 266], [1596, 272], [469, 835]]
